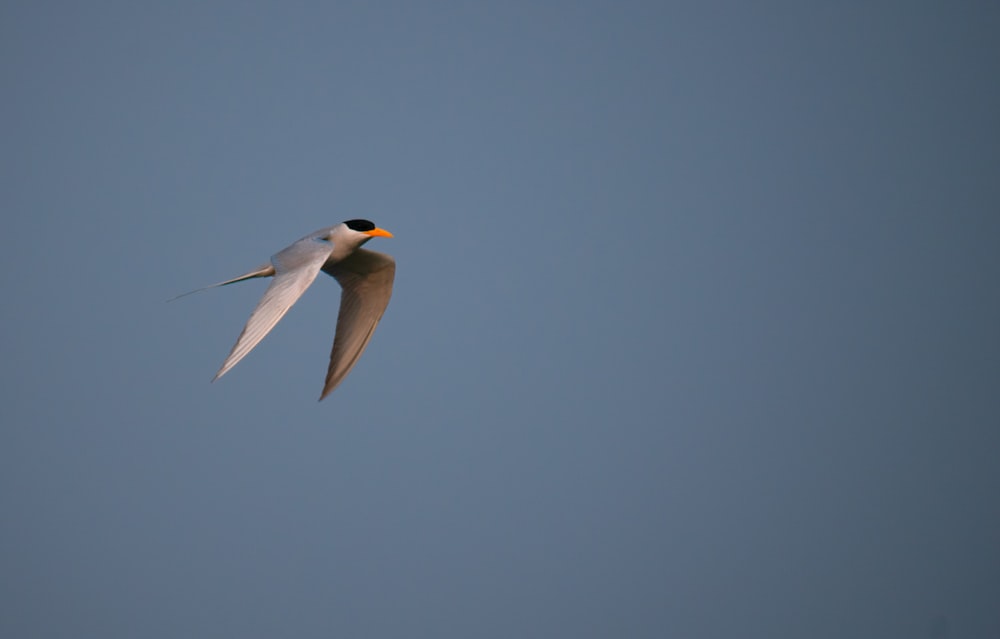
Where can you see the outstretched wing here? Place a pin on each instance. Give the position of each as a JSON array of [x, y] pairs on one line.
[[295, 268], [366, 277]]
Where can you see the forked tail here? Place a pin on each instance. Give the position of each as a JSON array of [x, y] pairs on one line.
[[266, 270]]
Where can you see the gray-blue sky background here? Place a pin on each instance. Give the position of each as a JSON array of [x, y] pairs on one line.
[[695, 329]]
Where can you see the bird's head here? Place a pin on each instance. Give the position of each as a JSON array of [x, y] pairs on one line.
[[347, 236], [357, 232], [366, 228]]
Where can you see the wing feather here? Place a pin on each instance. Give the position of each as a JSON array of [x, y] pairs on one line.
[[366, 278], [295, 268]]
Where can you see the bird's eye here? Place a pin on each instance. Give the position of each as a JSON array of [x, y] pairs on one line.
[[359, 225]]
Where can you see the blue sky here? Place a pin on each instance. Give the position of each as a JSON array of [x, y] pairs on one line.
[[694, 330]]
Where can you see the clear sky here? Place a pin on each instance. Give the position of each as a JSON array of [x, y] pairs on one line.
[[696, 327]]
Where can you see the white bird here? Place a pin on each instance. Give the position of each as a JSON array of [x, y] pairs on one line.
[[365, 277]]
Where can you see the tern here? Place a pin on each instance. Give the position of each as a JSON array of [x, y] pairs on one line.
[[365, 277]]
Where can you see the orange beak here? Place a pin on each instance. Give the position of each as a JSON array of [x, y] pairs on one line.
[[377, 232]]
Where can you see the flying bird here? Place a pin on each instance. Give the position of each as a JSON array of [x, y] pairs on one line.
[[365, 277]]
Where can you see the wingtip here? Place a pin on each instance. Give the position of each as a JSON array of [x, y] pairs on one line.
[[328, 389]]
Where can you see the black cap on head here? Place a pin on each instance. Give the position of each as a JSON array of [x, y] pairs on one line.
[[360, 225]]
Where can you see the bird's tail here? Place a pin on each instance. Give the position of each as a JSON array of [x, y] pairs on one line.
[[266, 270]]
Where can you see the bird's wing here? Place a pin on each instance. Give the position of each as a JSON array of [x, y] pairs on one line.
[[295, 268], [366, 277]]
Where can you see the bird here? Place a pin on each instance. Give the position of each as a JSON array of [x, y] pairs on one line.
[[365, 278]]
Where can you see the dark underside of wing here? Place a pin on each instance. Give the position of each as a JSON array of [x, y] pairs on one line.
[[366, 278]]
